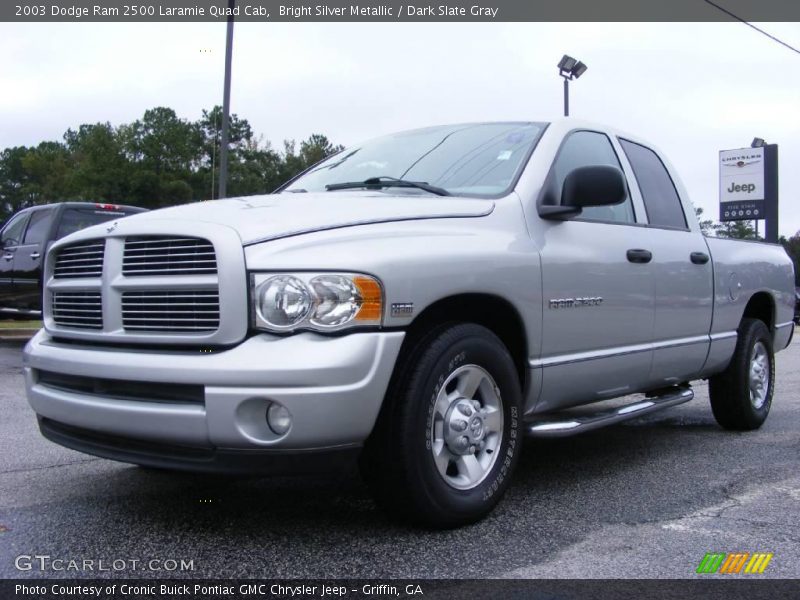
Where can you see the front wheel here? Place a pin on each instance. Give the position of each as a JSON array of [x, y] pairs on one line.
[[449, 438], [741, 396]]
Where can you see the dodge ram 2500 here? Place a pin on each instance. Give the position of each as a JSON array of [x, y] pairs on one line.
[[421, 302]]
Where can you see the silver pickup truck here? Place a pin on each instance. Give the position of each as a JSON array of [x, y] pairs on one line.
[[420, 302]]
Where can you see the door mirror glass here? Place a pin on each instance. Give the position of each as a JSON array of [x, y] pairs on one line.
[[598, 185]]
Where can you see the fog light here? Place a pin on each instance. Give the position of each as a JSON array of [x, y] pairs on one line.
[[278, 418]]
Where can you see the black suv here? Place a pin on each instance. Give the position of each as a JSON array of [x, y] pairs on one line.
[[25, 239], [797, 305]]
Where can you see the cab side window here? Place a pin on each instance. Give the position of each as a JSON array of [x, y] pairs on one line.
[[12, 232], [661, 200], [39, 226], [588, 149]]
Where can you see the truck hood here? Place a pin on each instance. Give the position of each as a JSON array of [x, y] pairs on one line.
[[269, 217]]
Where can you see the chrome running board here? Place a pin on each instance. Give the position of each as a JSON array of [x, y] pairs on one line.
[[560, 425]]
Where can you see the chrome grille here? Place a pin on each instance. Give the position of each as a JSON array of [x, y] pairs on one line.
[[81, 309], [154, 255], [80, 260], [170, 311], [196, 294]]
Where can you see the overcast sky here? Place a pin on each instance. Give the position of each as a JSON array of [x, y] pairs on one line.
[[691, 89]]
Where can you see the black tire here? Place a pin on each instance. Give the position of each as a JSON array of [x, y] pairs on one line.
[[398, 460], [730, 390]]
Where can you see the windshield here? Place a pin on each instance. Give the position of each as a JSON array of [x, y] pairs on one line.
[[481, 160]]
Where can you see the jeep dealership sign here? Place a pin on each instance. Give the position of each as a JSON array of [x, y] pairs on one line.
[[741, 184]]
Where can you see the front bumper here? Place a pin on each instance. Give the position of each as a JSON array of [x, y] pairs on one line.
[[332, 386], [206, 460]]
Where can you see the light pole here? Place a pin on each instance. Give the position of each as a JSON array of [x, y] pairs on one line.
[[757, 143], [226, 107], [569, 68]]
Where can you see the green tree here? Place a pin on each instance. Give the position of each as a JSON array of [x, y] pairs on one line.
[[740, 230], [158, 160], [254, 168], [707, 226], [316, 148], [242, 148], [13, 181], [792, 247], [312, 150], [47, 167], [163, 151], [162, 142], [100, 170]]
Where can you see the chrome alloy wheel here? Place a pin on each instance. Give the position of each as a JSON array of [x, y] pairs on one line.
[[759, 375], [467, 427]]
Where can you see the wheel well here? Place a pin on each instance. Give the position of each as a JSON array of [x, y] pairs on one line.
[[493, 312], [761, 307]]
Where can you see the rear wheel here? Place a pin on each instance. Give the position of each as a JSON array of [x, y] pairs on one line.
[[741, 396], [448, 439]]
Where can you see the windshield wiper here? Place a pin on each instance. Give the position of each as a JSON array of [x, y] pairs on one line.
[[386, 181]]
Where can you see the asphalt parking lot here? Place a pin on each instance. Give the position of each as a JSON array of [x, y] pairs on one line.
[[644, 499]]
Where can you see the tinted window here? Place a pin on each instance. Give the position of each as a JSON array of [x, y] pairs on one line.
[[661, 200], [472, 160], [586, 149], [75, 219], [12, 232], [39, 226]]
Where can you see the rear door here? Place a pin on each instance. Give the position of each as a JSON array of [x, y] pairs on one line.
[[682, 269], [29, 257], [10, 239]]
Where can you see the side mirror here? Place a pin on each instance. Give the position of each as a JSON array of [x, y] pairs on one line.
[[599, 185]]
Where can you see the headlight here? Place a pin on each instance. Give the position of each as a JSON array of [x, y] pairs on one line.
[[320, 301], [283, 302]]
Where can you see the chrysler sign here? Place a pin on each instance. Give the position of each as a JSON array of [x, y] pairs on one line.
[[741, 184]]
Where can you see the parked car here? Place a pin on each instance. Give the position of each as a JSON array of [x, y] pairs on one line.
[[797, 305], [25, 239], [421, 302]]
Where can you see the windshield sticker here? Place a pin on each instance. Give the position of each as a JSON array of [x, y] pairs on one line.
[[505, 155]]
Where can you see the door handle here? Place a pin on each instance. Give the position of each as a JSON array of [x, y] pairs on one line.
[[637, 255], [8, 256], [699, 258], [35, 255]]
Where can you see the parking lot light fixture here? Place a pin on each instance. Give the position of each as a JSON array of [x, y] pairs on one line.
[[579, 69], [566, 64], [569, 68]]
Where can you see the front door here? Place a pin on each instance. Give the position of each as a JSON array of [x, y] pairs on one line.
[[29, 258], [599, 292], [10, 239]]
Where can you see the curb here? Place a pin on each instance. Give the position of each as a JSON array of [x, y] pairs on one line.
[[17, 335]]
